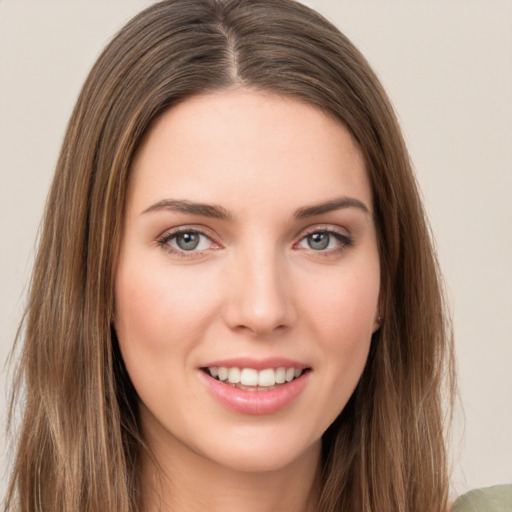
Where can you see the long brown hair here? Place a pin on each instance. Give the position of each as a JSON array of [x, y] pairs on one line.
[[79, 444]]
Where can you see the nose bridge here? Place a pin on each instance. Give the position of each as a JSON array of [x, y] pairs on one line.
[[259, 298]]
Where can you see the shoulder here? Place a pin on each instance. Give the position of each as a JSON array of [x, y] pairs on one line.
[[490, 499]]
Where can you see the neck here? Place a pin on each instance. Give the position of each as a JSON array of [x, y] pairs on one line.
[[184, 480]]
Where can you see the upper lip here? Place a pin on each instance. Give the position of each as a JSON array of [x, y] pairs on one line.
[[256, 364]]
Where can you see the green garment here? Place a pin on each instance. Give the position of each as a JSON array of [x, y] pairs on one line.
[[490, 499]]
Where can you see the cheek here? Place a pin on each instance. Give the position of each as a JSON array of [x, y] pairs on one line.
[[344, 305], [342, 311], [159, 315], [338, 308], [159, 321]]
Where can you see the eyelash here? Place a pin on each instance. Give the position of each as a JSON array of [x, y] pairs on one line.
[[164, 242], [345, 241]]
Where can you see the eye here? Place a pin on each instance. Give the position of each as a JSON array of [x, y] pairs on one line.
[[325, 241], [318, 241], [185, 241]]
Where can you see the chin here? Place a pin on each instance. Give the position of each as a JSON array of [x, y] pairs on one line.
[[262, 454]]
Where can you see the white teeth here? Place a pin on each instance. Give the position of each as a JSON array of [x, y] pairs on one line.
[[234, 375], [223, 373], [267, 377], [280, 375], [249, 377]]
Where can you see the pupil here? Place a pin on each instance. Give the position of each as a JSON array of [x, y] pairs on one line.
[[318, 241], [187, 241]]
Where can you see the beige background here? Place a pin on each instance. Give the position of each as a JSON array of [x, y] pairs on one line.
[[447, 65]]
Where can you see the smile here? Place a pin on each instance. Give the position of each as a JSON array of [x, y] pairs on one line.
[[266, 389], [250, 379]]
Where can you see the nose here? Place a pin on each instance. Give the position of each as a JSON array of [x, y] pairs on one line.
[[260, 293]]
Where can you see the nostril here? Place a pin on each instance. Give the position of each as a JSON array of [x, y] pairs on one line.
[[259, 301], [260, 329]]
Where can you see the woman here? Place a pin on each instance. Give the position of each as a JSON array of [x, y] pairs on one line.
[[233, 214]]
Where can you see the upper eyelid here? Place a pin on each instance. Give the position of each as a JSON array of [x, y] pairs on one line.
[[343, 235], [207, 232], [164, 241], [332, 232], [324, 228], [202, 230]]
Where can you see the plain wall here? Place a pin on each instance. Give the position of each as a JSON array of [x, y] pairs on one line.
[[447, 66]]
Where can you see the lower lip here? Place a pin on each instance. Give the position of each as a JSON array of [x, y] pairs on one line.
[[255, 402]]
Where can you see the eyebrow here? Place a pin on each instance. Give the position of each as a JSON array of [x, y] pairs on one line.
[[218, 212], [329, 206], [180, 206]]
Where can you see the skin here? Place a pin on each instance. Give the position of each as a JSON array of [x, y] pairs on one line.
[[253, 287]]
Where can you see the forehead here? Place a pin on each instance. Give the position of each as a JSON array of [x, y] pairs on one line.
[[242, 146]]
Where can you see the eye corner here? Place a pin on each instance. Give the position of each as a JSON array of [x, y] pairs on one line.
[[329, 241], [196, 243]]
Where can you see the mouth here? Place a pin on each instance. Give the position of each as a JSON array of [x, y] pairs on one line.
[[250, 379]]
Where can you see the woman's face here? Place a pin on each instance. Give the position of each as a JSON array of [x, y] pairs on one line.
[[249, 258]]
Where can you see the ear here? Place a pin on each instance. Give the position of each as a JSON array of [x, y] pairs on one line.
[[377, 322]]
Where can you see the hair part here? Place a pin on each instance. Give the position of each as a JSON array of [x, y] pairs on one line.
[[79, 445]]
